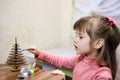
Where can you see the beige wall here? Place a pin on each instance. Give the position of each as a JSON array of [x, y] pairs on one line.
[[45, 23]]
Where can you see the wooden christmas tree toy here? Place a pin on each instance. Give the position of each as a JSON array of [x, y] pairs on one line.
[[15, 58]]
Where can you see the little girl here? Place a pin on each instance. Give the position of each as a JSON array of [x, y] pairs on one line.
[[97, 38]]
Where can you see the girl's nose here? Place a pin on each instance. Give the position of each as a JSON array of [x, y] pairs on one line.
[[75, 40]]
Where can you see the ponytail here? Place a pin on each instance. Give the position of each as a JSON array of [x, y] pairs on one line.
[[111, 44]]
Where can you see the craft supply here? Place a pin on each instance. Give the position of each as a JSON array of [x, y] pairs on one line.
[[23, 69], [24, 49], [24, 76], [37, 68], [29, 66], [32, 71], [21, 77], [33, 65], [27, 71]]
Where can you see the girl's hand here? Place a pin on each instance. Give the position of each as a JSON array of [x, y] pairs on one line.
[[57, 72], [34, 50]]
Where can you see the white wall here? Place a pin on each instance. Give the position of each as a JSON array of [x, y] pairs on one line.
[[45, 23]]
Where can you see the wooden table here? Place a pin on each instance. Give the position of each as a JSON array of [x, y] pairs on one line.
[[6, 74]]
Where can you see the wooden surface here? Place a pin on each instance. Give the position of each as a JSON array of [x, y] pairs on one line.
[[6, 74]]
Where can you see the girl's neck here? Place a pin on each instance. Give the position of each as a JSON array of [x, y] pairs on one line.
[[92, 54]]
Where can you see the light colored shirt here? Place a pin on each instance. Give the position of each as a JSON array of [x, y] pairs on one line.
[[85, 69]]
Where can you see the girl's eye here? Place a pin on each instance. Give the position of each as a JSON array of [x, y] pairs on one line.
[[80, 37]]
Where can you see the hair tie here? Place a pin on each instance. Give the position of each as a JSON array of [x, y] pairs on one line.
[[112, 21]]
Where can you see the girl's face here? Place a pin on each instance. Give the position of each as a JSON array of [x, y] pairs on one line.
[[82, 43]]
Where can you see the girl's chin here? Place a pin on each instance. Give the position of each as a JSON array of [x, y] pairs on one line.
[[78, 52]]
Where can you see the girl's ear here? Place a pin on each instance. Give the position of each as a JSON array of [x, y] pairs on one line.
[[98, 43]]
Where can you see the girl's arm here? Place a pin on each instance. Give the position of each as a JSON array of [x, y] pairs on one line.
[[57, 60]]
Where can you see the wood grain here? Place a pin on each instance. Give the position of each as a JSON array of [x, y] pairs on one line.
[[6, 74]]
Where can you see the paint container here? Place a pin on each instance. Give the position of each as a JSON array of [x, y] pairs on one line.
[[25, 76]]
